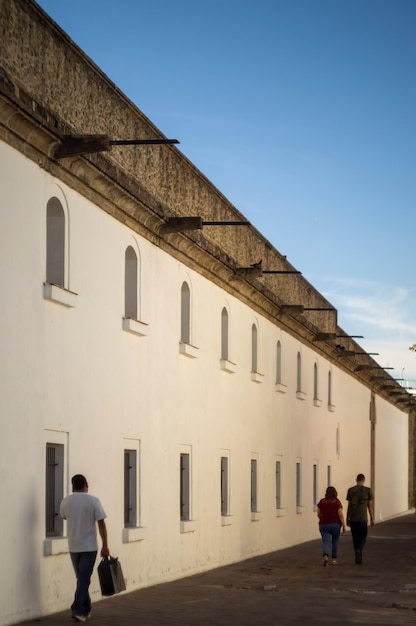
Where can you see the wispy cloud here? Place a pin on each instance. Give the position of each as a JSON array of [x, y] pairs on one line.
[[386, 317]]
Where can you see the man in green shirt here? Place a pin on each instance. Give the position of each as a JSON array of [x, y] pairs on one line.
[[360, 500]]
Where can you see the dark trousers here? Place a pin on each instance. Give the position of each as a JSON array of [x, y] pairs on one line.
[[359, 534], [83, 563]]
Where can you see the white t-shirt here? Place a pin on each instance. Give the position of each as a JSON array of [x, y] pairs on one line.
[[82, 511]]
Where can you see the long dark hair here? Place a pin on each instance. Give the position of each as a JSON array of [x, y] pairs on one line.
[[331, 493]]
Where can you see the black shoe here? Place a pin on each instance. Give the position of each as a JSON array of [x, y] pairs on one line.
[[358, 557]]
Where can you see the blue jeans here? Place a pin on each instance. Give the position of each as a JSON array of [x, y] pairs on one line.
[[330, 532], [83, 563]]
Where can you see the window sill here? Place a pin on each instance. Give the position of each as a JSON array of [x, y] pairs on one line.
[[280, 512], [188, 526], [280, 388], [55, 545], [59, 294], [226, 520], [227, 366], [188, 350], [255, 516], [135, 326], [331, 408], [256, 377], [299, 510], [317, 402], [138, 533], [301, 395]]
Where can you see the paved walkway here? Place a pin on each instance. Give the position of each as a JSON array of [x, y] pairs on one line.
[[285, 587]]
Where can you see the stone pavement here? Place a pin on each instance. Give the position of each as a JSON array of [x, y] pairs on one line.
[[285, 587]]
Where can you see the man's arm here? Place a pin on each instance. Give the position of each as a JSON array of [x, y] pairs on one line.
[[103, 534], [371, 511]]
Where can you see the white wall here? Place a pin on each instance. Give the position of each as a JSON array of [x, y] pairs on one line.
[[74, 376]]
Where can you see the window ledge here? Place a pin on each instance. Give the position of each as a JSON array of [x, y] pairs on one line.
[[137, 533], [188, 526], [135, 326], [255, 516], [256, 377], [226, 520], [317, 402], [188, 350], [331, 408], [301, 395], [55, 545], [280, 512], [299, 510], [59, 294], [227, 366], [280, 388]]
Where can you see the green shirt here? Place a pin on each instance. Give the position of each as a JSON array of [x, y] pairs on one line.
[[358, 498]]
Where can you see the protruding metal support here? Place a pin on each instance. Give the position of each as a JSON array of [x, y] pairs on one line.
[[281, 272], [359, 368], [179, 224], [324, 336], [74, 145], [343, 352]]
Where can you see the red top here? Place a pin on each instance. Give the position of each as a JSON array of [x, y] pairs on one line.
[[328, 511]]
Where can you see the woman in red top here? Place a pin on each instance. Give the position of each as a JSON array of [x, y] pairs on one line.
[[331, 520]]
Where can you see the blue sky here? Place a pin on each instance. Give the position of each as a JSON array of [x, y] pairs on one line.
[[302, 113]]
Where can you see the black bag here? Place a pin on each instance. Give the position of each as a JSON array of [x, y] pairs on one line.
[[111, 577]]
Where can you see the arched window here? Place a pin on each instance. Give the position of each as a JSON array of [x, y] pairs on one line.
[[329, 388], [299, 372], [224, 334], [315, 381], [130, 284], [185, 313], [278, 363], [254, 348], [55, 243]]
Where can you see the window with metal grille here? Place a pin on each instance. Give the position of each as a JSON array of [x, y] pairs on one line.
[[278, 485], [328, 476], [184, 496], [253, 488], [130, 488], [315, 484], [54, 491], [315, 381], [224, 485], [298, 485]]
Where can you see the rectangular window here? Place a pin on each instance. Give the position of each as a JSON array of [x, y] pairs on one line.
[[130, 489], [328, 476], [315, 485], [185, 486], [54, 492], [298, 485], [224, 486], [278, 485], [253, 489]]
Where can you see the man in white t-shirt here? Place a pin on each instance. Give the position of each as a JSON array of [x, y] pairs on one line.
[[82, 511]]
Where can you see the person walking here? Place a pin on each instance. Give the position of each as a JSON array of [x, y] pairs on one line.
[[82, 511], [331, 521], [360, 503]]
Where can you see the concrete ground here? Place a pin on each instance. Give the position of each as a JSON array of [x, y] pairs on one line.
[[285, 587]]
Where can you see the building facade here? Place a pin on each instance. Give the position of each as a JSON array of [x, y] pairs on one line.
[[208, 397]]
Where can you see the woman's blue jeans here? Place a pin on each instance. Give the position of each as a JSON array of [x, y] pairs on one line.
[[330, 534], [83, 563]]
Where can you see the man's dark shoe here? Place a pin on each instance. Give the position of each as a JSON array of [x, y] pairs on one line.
[[358, 557]]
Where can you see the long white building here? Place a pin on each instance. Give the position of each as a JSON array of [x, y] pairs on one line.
[[208, 401]]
